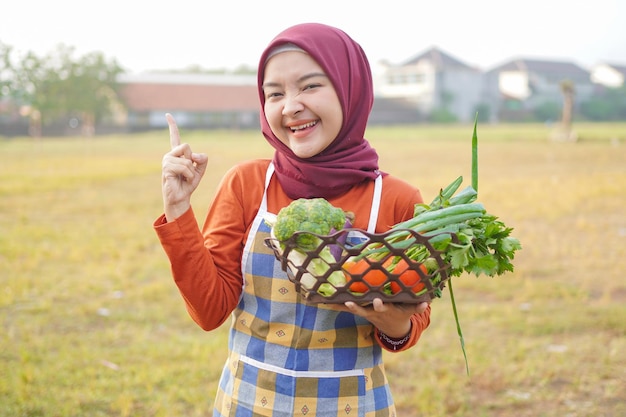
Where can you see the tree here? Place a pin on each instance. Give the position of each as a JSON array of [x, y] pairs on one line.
[[563, 131], [443, 114], [58, 87], [568, 91], [6, 71], [89, 86], [30, 91], [607, 105], [548, 111]]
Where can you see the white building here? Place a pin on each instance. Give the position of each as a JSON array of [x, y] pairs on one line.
[[432, 81], [609, 75]]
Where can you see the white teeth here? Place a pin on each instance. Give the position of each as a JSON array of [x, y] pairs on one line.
[[304, 126]]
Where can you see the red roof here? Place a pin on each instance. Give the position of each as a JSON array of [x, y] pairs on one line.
[[188, 97]]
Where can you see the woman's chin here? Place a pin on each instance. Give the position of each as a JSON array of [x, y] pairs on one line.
[[304, 152]]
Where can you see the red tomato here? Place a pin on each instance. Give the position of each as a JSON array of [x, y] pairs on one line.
[[372, 276], [409, 277]]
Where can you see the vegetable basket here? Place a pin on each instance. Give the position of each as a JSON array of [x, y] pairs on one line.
[[364, 266]]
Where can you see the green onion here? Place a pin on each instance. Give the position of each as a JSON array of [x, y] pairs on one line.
[[482, 244]]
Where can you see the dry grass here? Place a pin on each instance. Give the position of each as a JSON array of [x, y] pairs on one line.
[[93, 326]]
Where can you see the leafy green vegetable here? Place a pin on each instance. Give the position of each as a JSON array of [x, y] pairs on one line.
[[480, 245], [471, 240]]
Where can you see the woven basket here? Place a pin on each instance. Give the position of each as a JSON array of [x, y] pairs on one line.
[[297, 265]]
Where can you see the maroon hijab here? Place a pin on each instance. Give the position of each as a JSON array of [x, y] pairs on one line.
[[349, 159]]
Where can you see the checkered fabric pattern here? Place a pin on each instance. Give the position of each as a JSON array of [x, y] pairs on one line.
[[288, 358]]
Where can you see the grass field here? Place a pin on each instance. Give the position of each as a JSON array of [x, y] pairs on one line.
[[92, 324]]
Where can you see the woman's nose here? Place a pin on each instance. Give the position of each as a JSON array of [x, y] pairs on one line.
[[292, 105]]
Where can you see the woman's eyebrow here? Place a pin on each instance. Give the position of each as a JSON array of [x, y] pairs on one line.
[[312, 75], [301, 79]]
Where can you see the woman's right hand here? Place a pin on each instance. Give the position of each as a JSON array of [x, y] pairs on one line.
[[182, 171]]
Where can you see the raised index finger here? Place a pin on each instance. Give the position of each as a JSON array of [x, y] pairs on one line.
[[174, 135]]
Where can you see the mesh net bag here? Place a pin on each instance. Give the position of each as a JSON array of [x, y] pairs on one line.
[[363, 266]]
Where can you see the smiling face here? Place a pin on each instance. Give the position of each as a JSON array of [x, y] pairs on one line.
[[301, 105]]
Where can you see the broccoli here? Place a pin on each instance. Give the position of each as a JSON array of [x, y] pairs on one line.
[[318, 216], [314, 215]]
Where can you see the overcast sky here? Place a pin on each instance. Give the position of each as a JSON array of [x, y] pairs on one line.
[[157, 35]]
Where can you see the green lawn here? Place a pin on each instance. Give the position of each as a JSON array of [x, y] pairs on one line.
[[92, 324]]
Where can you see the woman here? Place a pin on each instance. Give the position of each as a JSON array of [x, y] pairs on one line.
[[287, 357]]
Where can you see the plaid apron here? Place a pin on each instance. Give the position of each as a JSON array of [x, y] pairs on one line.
[[288, 358]]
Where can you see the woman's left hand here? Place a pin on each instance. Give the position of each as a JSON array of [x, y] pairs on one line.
[[393, 319]]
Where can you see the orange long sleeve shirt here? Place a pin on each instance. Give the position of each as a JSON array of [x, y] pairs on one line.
[[206, 263]]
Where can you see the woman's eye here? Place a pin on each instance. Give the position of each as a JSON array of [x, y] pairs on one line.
[[273, 94], [311, 86]]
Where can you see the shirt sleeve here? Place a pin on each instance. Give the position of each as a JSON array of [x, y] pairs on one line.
[[419, 323], [206, 263]]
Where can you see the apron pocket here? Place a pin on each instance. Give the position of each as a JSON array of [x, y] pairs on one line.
[[262, 392]]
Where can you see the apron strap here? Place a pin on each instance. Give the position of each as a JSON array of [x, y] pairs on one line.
[[268, 177], [378, 189]]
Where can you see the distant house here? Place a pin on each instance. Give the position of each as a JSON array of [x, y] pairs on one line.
[[202, 101], [521, 85], [197, 101], [432, 85], [432, 81], [394, 111], [609, 75]]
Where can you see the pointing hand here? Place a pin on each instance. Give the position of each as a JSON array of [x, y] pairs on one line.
[[182, 171]]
